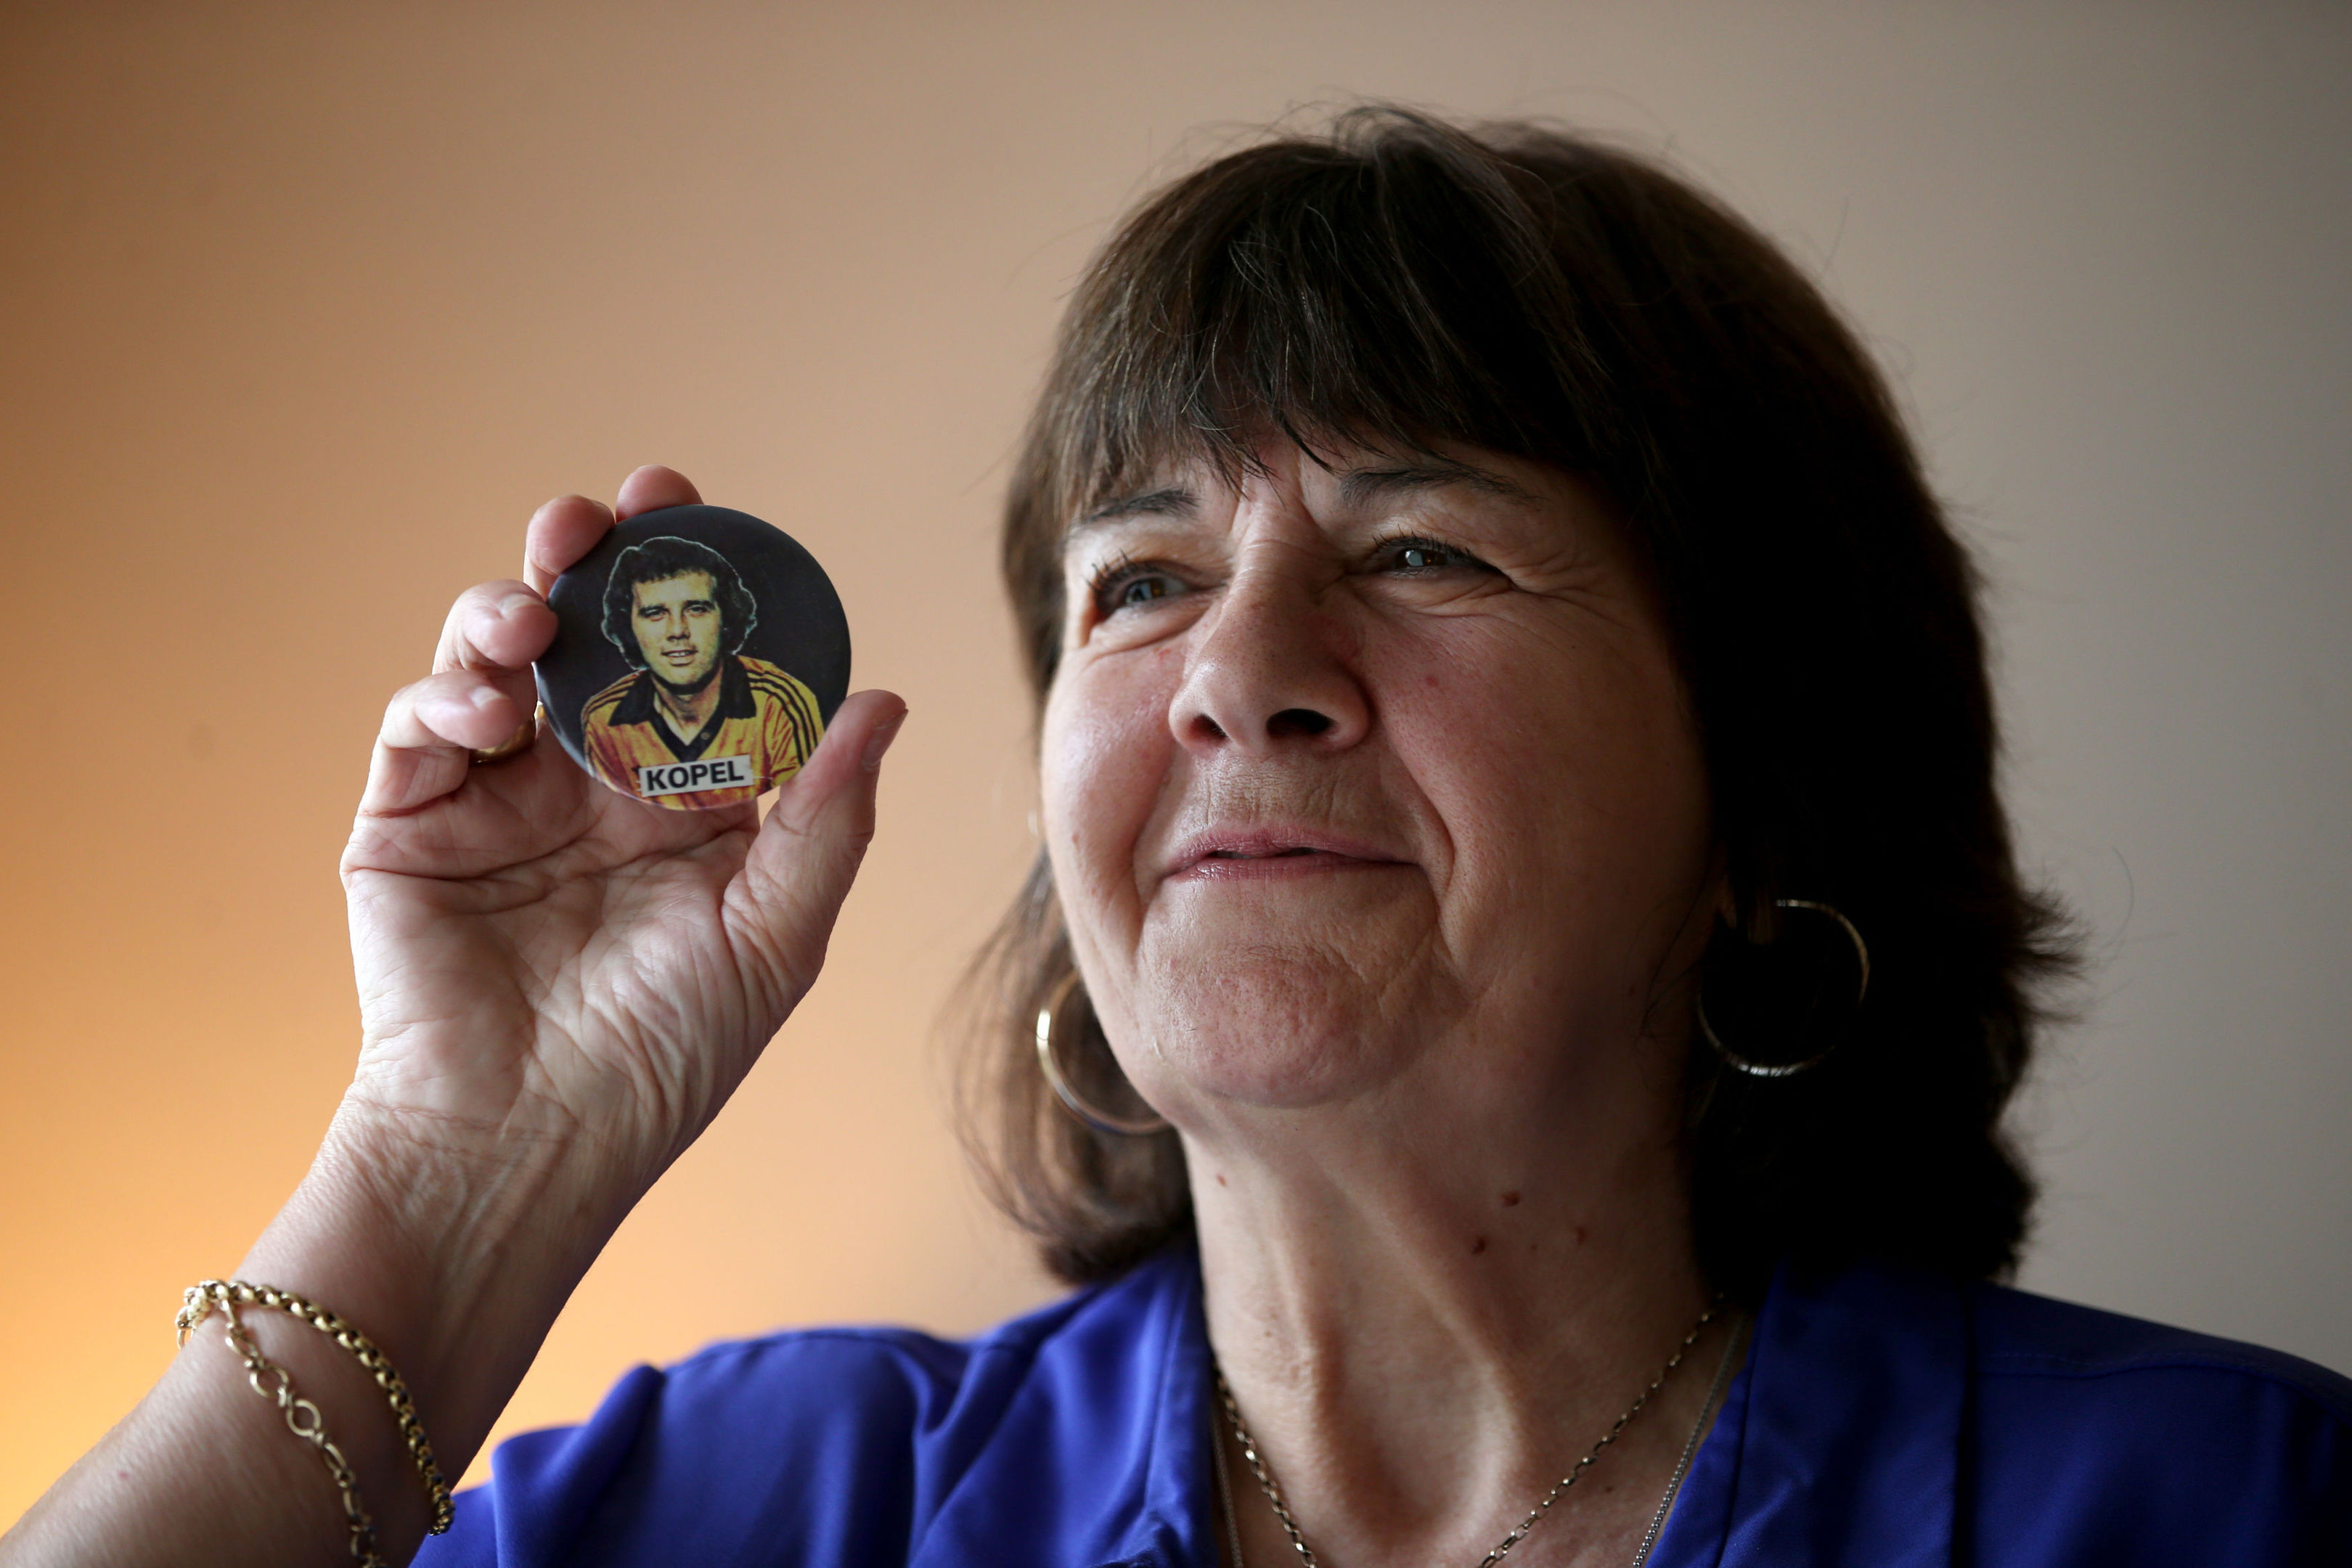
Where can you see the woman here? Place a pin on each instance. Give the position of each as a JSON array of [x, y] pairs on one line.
[[1512, 1018]]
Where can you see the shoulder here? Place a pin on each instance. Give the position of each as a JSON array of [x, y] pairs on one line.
[[858, 1394], [2021, 1336], [774, 680], [2092, 1426], [782, 702], [598, 709], [2026, 1345], [1888, 1413], [836, 1446]]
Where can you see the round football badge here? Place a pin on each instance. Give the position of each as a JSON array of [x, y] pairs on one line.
[[699, 654]]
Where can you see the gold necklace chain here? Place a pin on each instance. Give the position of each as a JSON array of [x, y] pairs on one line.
[[1272, 1488]]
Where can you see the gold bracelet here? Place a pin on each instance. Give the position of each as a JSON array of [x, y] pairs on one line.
[[304, 1420], [227, 1294]]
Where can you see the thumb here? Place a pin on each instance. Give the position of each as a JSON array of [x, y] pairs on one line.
[[807, 853]]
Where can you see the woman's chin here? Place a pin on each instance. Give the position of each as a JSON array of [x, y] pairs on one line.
[[1299, 1001], [1301, 1037]]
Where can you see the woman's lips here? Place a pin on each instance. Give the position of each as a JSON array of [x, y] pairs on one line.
[[1265, 855]]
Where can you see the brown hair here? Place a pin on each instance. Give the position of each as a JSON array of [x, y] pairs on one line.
[[1398, 283]]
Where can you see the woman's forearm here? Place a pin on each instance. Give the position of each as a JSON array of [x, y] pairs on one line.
[[455, 1264]]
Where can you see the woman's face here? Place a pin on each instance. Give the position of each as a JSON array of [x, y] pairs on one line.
[[1372, 779]]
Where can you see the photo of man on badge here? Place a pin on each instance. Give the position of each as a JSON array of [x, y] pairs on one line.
[[699, 723]]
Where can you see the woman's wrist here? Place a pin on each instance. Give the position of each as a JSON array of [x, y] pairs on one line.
[[453, 1257]]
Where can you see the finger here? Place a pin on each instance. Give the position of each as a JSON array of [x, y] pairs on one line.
[[429, 728], [652, 487], [559, 533], [495, 627], [802, 864], [466, 709]]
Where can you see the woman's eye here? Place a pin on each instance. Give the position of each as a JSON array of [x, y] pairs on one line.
[[1129, 587], [1418, 557], [1143, 590]]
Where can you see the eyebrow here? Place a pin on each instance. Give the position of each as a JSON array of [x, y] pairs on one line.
[[1359, 486], [1168, 501]]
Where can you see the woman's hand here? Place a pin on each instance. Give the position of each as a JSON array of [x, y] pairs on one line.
[[545, 965], [559, 987]]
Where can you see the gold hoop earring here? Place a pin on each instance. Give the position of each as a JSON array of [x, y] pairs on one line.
[[1738, 1063], [1100, 1121]]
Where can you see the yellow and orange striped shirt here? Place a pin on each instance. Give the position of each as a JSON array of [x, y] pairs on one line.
[[764, 727]]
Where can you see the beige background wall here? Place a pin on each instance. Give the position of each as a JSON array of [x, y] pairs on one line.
[[306, 307]]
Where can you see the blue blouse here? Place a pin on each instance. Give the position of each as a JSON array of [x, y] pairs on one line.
[[1883, 1417]]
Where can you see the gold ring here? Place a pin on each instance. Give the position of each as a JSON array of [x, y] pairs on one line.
[[514, 746]]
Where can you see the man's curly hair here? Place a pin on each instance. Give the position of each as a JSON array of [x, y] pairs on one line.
[[660, 559]]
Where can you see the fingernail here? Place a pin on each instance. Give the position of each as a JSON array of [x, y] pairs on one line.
[[483, 696], [514, 602], [879, 742]]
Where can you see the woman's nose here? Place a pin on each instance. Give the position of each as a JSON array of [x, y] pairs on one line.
[[1269, 669]]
